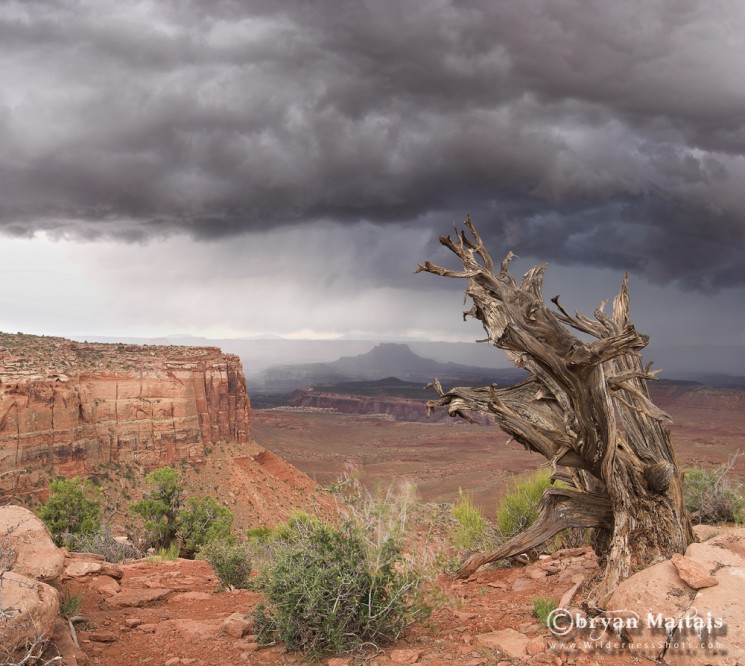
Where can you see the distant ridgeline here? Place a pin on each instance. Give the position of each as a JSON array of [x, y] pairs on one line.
[[385, 360], [67, 407]]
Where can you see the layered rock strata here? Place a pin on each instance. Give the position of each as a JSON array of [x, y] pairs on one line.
[[67, 407]]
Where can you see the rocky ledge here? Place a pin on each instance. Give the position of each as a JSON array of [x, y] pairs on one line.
[[67, 407]]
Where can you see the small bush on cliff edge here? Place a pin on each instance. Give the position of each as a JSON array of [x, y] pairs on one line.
[[203, 520], [711, 497], [160, 507], [231, 561], [331, 589], [73, 508]]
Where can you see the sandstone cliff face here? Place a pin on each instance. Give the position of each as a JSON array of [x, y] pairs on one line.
[[66, 407]]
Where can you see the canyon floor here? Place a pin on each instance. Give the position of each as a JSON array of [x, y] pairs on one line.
[[708, 428]]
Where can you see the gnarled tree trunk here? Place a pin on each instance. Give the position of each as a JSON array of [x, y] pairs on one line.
[[585, 408]]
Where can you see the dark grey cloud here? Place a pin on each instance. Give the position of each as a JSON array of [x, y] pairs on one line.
[[605, 133]]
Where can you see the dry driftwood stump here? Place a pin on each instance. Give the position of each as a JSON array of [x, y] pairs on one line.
[[585, 408]]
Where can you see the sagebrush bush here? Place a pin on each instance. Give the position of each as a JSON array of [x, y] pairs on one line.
[[230, 559], [332, 588], [711, 497], [102, 542], [518, 509]]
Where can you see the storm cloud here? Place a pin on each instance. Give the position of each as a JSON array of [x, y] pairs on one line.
[[606, 134]]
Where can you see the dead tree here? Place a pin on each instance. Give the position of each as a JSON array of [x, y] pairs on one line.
[[585, 408]]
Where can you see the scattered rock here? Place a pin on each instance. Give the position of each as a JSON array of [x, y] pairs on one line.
[[136, 597], [106, 585], [692, 572], [236, 625], [567, 597], [71, 654], [507, 641], [403, 656], [706, 532], [536, 646], [338, 661], [99, 636], [203, 630], [190, 596], [133, 622], [521, 584], [572, 552], [80, 568], [463, 616], [83, 556]]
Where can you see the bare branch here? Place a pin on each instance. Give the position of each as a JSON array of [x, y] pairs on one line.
[[560, 509]]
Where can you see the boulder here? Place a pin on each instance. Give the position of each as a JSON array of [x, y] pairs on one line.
[[658, 590], [31, 609], [25, 535], [725, 549], [716, 646]]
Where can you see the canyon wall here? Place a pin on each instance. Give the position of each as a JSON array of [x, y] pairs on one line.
[[400, 409], [67, 407]]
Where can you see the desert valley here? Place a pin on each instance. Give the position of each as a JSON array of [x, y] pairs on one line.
[[114, 412]]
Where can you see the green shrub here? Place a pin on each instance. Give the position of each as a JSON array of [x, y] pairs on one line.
[[73, 507], [202, 520], [471, 533], [160, 507], [331, 589], [262, 534], [102, 542], [711, 497], [70, 604], [542, 607], [165, 554], [231, 561], [518, 509]]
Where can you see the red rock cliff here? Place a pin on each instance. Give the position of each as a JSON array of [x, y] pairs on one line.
[[66, 407]]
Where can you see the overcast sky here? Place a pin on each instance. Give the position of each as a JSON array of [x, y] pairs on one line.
[[279, 168]]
